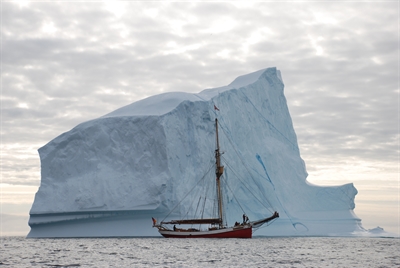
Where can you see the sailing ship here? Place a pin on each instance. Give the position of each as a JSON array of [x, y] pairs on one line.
[[215, 227]]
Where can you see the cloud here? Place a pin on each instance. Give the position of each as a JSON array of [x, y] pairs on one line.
[[66, 63]]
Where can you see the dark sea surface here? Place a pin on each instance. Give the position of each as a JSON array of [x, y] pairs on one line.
[[162, 252]]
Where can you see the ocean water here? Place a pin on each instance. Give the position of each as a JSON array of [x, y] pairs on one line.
[[162, 252]]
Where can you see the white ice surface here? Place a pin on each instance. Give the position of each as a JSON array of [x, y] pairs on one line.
[[143, 158]]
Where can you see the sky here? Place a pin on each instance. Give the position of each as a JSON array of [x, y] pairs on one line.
[[64, 63]]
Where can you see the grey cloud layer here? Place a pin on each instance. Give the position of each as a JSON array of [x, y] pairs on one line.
[[65, 63]]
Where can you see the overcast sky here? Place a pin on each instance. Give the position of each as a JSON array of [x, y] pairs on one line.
[[65, 63]]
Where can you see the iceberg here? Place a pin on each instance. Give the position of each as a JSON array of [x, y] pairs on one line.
[[111, 175]]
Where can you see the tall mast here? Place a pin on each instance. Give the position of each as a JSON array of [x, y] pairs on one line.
[[218, 171]]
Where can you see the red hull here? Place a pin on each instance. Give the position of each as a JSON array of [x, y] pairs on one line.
[[221, 233]]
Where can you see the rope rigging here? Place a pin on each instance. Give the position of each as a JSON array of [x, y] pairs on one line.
[[198, 182], [227, 133], [250, 191], [203, 201], [229, 188], [248, 171]]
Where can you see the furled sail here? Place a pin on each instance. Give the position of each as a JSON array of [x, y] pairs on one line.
[[195, 221]]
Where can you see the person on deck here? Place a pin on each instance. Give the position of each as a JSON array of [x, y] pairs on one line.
[[245, 219]]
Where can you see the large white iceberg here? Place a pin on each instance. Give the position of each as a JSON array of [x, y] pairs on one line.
[[109, 176]]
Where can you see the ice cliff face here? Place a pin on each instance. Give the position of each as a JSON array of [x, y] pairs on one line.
[[109, 176]]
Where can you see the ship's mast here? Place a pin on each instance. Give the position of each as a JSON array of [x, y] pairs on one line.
[[218, 171]]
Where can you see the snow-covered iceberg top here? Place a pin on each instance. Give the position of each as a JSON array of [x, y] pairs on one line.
[[166, 102]]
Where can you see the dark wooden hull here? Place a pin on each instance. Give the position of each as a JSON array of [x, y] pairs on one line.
[[231, 232]]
